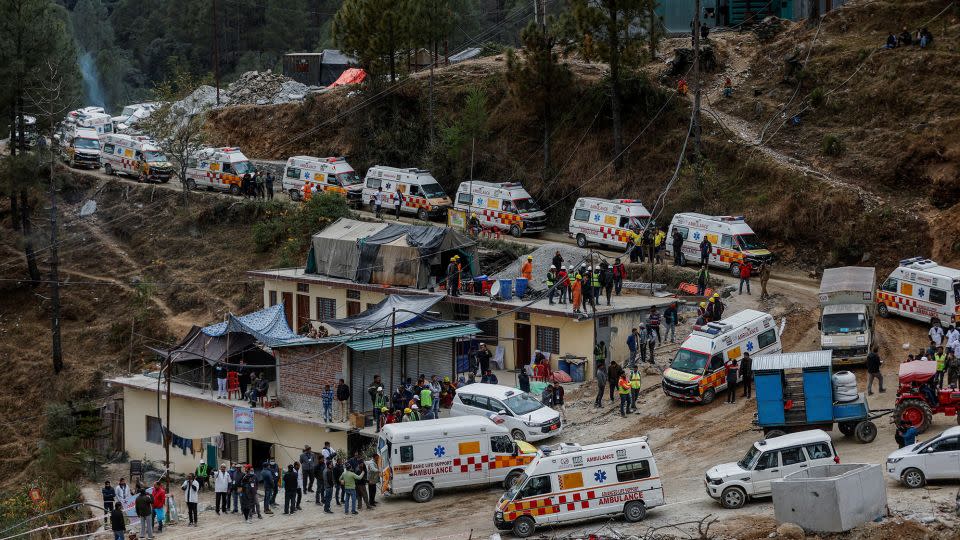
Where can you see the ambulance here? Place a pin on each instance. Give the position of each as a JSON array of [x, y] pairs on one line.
[[569, 482], [89, 117], [732, 239], [218, 168], [331, 174], [923, 290], [422, 194], [505, 206], [80, 147], [421, 457], [607, 222], [135, 156], [698, 371]]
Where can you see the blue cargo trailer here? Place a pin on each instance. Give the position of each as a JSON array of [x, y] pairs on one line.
[[795, 393]]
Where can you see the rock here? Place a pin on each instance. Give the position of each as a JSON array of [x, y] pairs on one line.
[[88, 208], [791, 531], [926, 519], [772, 535]]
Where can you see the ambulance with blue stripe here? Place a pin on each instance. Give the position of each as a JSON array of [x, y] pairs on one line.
[[331, 174], [697, 372], [568, 482], [733, 241], [923, 290]]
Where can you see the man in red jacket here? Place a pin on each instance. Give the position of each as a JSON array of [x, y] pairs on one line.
[[159, 505], [745, 270], [619, 274]]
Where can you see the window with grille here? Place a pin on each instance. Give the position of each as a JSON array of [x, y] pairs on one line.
[[154, 430], [303, 287], [548, 339], [353, 295], [326, 308], [489, 330], [273, 298], [603, 322], [523, 316]]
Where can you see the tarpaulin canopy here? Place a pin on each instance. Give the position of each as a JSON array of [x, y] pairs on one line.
[[408, 308], [350, 76], [268, 326], [334, 251], [919, 371], [197, 345]]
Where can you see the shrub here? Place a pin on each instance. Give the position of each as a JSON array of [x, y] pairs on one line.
[[291, 229], [832, 145], [818, 97]]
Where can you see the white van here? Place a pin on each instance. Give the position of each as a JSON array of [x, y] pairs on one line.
[[80, 147], [697, 371], [524, 415], [607, 222], [218, 168], [732, 239], [90, 117], [420, 457], [135, 156], [923, 290], [505, 206], [570, 482], [331, 174], [422, 194], [768, 460]]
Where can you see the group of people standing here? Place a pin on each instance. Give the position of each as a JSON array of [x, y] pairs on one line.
[[257, 185], [583, 285]]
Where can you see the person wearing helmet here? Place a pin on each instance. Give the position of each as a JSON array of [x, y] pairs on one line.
[[379, 405], [407, 412], [711, 314], [563, 284], [702, 314], [575, 293], [552, 282], [720, 306], [526, 270], [453, 279]]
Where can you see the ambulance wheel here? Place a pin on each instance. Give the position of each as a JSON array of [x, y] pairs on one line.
[[847, 428], [581, 240], [295, 195], [165, 180], [733, 497], [518, 435], [866, 431], [108, 169], [510, 479], [709, 396], [234, 190], [523, 526], [883, 311], [422, 215], [422, 492], [735, 270], [191, 184], [634, 511], [516, 231]]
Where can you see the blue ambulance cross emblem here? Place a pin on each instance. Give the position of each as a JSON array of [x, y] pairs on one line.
[[439, 451], [600, 476]]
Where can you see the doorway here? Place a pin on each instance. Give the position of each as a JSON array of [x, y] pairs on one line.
[[260, 451], [303, 314], [522, 352], [288, 308]]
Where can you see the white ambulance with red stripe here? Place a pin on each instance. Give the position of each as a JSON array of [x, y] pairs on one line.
[[420, 192], [505, 206], [218, 168], [332, 174], [607, 222], [732, 241], [134, 156], [923, 290], [423, 456], [569, 482]]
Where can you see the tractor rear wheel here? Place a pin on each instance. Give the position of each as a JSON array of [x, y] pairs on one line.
[[914, 411], [847, 428]]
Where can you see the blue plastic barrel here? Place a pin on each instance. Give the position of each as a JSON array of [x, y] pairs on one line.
[[521, 286], [564, 366], [576, 372], [506, 289]]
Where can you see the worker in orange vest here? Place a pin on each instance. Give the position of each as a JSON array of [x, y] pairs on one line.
[[526, 271], [577, 295], [456, 259], [307, 191]]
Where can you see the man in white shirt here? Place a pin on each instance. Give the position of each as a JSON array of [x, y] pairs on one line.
[[191, 494], [953, 334], [122, 491], [221, 487], [936, 335]]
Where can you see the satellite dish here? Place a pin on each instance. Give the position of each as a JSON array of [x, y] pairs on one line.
[[495, 289]]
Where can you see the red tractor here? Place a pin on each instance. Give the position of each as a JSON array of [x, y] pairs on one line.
[[918, 397]]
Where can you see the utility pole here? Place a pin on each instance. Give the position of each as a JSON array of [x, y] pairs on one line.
[[169, 434], [393, 338], [57, 348], [216, 51], [696, 81], [652, 252]]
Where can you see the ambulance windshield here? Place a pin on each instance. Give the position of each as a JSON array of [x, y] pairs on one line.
[[843, 323], [241, 167], [525, 205], [515, 488], [433, 191], [749, 242], [348, 179], [691, 362], [86, 144], [154, 157]]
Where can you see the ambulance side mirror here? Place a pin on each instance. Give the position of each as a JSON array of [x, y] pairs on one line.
[[819, 325]]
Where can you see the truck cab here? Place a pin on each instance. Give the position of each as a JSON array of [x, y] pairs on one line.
[[847, 313]]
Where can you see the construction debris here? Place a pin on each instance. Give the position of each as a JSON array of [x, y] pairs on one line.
[[542, 259], [264, 88], [767, 29]]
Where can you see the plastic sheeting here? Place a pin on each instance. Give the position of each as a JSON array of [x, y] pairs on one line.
[[409, 309], [349, 76], [197, 345], [918, 372], [268, 326], [334, 250], [408, 255]]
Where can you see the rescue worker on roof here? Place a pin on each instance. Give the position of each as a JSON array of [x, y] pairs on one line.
[[551, 282], [526, 270], [595, 286], [563, 283], [453, 283], [459, 274], [575, 293]]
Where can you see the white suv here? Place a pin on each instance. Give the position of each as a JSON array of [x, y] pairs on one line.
[[524, 415], [768, 460], [936, 459]]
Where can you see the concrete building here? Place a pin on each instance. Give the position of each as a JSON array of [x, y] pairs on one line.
[[677, 14]]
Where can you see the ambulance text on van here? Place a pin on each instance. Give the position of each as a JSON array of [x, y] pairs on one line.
[[697, 372], [420, 192], [330, 174], [135, 156], [218, 168], [505, 206], [733, 241], [607, 222], [420, 457], [923, 290], [569, 482]]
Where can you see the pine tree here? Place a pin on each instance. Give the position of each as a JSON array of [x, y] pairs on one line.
[[372, 31], [536, 78], [606, 31]]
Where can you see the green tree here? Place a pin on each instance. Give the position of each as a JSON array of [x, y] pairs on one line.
[[605, 30], [460, 137], [537, 79], [372, 31], [433, 20]]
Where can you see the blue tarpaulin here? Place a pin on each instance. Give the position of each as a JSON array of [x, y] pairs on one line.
[[268, 326]]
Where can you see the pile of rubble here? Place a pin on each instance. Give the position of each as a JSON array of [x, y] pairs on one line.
[[542, 259], [265, 88], [767, 29]]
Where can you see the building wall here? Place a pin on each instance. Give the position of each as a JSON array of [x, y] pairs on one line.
[[304, 371], [315, 291], [198, 419]]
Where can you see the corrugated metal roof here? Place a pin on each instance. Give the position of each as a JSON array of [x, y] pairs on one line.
[[410, 336], [796, 360], [848, 278]]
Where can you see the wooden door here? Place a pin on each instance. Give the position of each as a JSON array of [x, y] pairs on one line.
[[303, 313], [522, 353], [288, 308]]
